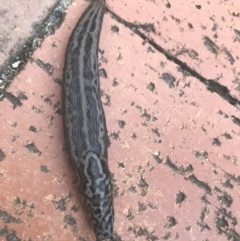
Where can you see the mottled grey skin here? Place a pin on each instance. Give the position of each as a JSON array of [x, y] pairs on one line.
[[96, 190], [84, 120]]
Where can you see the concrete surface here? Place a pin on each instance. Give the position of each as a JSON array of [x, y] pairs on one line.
[[174, 151], [18, 19]]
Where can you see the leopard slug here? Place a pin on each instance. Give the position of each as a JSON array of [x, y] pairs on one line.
[[84, 120]]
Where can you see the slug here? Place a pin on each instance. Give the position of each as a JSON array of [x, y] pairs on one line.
[[84, 121]]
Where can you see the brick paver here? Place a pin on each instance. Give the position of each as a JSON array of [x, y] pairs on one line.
[[174, 144]]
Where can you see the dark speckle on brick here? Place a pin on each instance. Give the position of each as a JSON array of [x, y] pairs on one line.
[[150, 50], [121, 164], [114, 135], [200, 184], [68, 219], [143, 185], [227, 184], [188, 228], [114, 82], [4, 231], [151, 86], [32, 148], [146, 115], [215, 27], [33, 129], [232, 234], [216, 142], [12, 237], [44, 168], [156, 132], [61, 204], [226, 199], [203, 226], [143, 232], [235, 120], [22, 96], [130, 215], [180, 197], [168, 5], [237, 32], [103, 73], [133, 136], [169, 79], [180, 170], [7, 218], [221, 224], [227, 136], [197, 6], [13, 99], [201, 154], [223, 212], [2, 155], [167, 236], [229, 56], [75, 208], [132, 189], [121, 123], [190, 25], [221, 113], [115, 29], [141, 207], [45, 66], [210, 45], [217, 189], [177, 20], [156, 156], [171, 222], [151, 205]]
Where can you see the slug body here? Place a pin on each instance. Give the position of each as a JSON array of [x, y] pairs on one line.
[[84, 120]]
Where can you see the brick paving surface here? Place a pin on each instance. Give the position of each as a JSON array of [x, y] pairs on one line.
[[174, 144]]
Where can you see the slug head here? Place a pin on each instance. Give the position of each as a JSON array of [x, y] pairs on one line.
[[96, 189]]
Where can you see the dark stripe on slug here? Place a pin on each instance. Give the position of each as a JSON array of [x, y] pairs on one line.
[[93, 25], [95, 66], [93, 120], [100, 119], [87, 71]]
